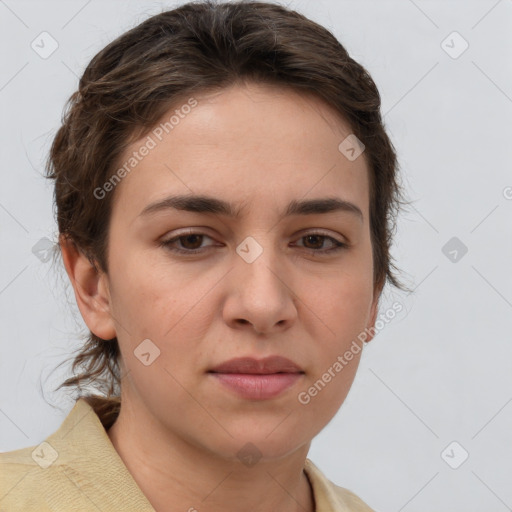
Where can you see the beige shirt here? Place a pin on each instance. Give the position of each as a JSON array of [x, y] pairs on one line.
[[78, 469]]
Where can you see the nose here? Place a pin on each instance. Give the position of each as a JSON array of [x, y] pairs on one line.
[[261, 296]]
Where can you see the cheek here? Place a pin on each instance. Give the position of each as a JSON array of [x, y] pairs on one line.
[[153, 300], [144, 287], [345, 316], [343, 301], [326, 391], [344, 312], [344, 308], [350, 308]]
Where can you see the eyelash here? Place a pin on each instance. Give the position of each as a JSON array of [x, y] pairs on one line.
[[167, 244]]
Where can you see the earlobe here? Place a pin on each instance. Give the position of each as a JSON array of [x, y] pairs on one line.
[[91, 290], [373, 315]]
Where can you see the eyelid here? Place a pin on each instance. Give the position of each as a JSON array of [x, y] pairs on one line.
[[300, 234], [166, 242], [323, 232], [338, 245]]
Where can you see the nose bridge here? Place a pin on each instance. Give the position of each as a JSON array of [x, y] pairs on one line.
[[258, 264], [262, 296]]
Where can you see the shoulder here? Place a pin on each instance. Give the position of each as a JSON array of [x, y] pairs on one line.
[[350, 500], [24, 479], [330, 497], [41, 477], [72, 470]]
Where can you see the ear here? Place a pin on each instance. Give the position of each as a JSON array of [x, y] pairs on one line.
[[373, 314], [91, 290]]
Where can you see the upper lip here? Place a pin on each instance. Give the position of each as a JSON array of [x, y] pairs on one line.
[[271, 364]]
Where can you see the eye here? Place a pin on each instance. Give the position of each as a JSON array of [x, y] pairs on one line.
[[316, 240], [190, 241]]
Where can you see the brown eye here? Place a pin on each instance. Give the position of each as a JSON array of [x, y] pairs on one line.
[[315, 241], [190, 243]]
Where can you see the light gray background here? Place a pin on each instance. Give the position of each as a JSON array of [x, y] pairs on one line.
[[441, 371]]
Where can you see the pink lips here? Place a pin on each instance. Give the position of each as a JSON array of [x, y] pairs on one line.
[[255, 379]]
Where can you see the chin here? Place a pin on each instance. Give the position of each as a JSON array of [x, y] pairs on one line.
[[271, 443]]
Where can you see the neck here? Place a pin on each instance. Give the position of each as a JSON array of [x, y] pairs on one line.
[[168, 468]]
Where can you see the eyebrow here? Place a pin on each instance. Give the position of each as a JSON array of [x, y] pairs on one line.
[[211, 205]]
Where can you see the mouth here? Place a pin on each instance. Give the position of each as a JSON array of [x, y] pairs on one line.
[[257, 386], [255, 379], [251, 365]]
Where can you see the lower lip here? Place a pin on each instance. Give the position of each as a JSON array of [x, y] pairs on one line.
[[257, 386]]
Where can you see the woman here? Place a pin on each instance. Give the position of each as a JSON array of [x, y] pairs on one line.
[[225, 194]]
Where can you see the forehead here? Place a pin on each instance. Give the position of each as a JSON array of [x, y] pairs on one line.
[[244, 143]]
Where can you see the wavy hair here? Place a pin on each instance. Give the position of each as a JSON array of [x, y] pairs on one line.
[[197, 47]]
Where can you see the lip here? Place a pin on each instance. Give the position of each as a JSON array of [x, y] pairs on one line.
[[265, 366], [257, 386], [257, 379]]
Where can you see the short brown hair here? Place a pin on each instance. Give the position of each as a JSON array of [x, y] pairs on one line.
[[200, 46]]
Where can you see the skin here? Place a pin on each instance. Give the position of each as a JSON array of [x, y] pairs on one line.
[[179, 431]]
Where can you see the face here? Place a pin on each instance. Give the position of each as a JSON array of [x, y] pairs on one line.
[[204, 287]]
